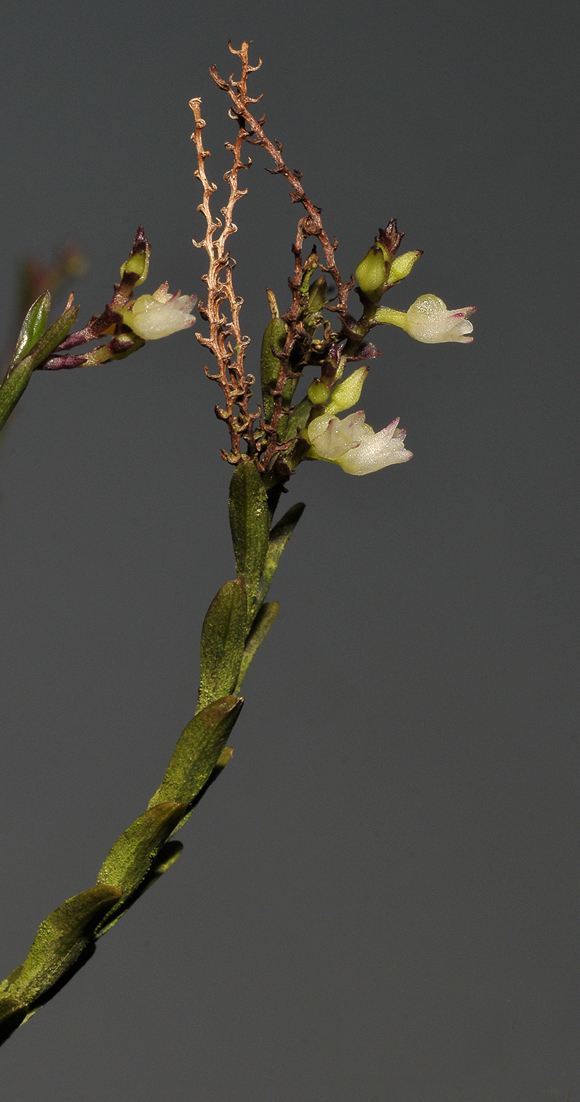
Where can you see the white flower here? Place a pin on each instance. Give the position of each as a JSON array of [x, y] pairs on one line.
[[160, 314], [354, 445], [429, 320]]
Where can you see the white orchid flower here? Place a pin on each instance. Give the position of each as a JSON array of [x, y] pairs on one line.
[[428, 320], [160, 314], [354, 445]]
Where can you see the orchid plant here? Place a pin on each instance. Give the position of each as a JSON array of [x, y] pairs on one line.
[[268, 441]]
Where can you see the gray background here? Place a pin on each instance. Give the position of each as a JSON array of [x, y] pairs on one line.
[[378, 902]]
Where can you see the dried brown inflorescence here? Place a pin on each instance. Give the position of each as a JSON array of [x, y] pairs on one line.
[[225, 339], [270, 440]]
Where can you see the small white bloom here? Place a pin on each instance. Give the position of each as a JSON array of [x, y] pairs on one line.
[[429, 320], [354, 445], [160, 314]]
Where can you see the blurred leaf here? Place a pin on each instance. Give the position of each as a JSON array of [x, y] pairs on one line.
[[198, 752], [48, 342], [222, 642], [60, 940], [32, 329], [18, 376], [35, 276], [260, 629], [249, 522]]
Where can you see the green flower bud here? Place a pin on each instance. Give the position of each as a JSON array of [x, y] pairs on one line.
[[318, 392], [138, 262], [347, 393], [373, 272], [402, 265]]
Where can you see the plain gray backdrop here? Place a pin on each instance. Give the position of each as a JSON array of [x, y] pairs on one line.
[[378, 902]]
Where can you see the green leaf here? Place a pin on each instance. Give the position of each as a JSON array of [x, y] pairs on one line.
[[279, 537], [133, 853], [32, 328], [18, 377], [165, 858], [273, 341], [49, 341], [260, 629], [249, 522], [60, 940], [296, 421], [198, 752], [222, 642], [12, 1015], [224, 758]]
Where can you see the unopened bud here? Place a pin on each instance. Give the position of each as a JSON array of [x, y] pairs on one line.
[[318, 393], [317, 295], [402, 265], [347, 393], [373, 272], [138, 262]]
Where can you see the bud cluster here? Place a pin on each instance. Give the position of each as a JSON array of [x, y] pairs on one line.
[[294, 342]]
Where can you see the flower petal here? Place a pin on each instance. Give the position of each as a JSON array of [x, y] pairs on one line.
[[354, 445], [377, 450]]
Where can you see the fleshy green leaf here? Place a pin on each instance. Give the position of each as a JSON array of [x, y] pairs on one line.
[[222, 642], [133, 853], [166, 857], [273, 341], [296, 421], [218, 768], [260, 629], [279, 537], [60, 940], [33, 327], [249, 522], [198, 752]]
